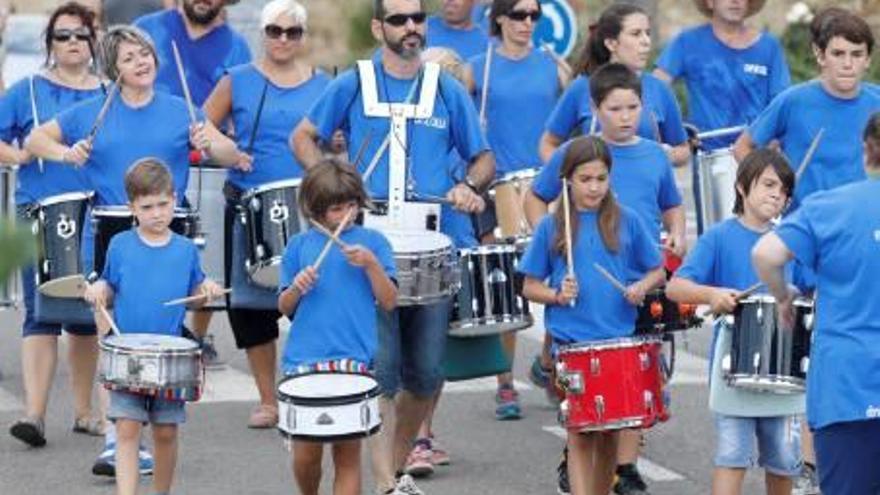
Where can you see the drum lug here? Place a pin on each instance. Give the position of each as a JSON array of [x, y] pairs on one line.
[[729, 320], [260, 251], [200, 241], [649, 402], [599, 403], [805, 364], [644, 360], [760, 314], [564, 409], [595, 366], [134, 366], [808, 322], [756, 361], [254, 204], [572, 382], [291, 417], [46, 267], [725, 363], [365, 417], [35, 227]]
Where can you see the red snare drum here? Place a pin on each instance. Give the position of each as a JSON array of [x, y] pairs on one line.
[[612, 384]]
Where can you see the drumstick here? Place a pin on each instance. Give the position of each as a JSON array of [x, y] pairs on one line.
[[363, 148], [375, 160], [330, 240], [486, 68], [189, 299], [749, 291], [569, 257], [109, 318], [324, 230], [104, 109], [556, 58], [809, 155], [608, 276], [183, 84]]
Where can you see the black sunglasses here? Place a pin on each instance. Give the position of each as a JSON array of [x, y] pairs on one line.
[[80, 34], [293, 33], [398, 20], [521, 15]]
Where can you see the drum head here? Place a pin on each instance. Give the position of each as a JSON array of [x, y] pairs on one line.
[[272, 186], [148, 342], [529, 173], [70, 287], [326, 385], [415, 241], [64, 198]]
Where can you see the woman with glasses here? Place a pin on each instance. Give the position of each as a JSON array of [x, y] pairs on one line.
[[265, 100], [622, 35], [67, 79]]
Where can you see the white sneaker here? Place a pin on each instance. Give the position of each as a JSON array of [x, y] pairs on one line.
[[406, 486]]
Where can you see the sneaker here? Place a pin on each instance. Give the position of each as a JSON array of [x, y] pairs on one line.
[[507, 403], [105, 464], [29, 431], [418, 462], [406, 486], [629, 481], [439, 455], [562, 486], [807, 483], [540, 376]]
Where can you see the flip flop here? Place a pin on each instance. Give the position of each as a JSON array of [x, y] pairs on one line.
[[29, 431]]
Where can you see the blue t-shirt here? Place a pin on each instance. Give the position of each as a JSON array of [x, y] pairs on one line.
[[158, 129], [660, 118], [600, 311], [798, 114], [144, 277], [465, 42], [17, 121], [283, 108], [726, 86], [453, 124], [837, 233], [521, 95], [641, 178], [337, 318], [205, 59]]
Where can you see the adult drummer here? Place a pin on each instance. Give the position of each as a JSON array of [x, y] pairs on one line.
[[836, 233], [70, 41], [454, 28], [139, 122], [731, 70], [411, 351], [817, 122], [265, 100]]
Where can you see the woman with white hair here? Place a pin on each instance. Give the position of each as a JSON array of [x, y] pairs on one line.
[[265, 100]]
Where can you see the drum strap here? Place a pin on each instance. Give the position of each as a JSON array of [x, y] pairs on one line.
[[250, 148]]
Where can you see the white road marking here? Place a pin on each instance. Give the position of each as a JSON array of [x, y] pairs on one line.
[[9, 402], [648, 469], [487, 384]]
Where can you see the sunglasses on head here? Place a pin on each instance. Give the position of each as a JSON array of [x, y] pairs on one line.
[[521, 15], [80, 34], [399, 20], [293, 33]]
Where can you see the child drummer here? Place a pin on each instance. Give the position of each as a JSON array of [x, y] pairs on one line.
[[147, 266], [581, 304], [716, 273], [331, 299]]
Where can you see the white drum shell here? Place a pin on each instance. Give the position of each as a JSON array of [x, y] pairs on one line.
[[328, 412]]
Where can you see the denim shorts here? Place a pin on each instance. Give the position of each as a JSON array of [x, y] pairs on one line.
[[146, 409], [412, 345], [779, 449]]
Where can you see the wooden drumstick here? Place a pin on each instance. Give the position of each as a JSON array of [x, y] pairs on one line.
[[809, 155], [329, 243], [749, 291], [566, 211], [183, 83], [608, 276], [189, 299], [324, 230], [105, 107], [485, 95], [109, 318]]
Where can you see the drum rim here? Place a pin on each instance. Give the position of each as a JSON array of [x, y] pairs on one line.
[[407, 300], [188, 385], [487, 249], [106, 344], [526, 173], [271, 186], [342, 400], [618, 343], [330, 438], [123, 211], [403, 233], [527, 319], [620, 424], [766, 381], [446, 252], [804, 302], [65, 197]]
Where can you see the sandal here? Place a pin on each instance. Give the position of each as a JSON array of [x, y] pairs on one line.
[[29, 431], [263, 416], [89, 426]]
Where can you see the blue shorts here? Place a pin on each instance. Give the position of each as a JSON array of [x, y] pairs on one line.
[[412, 345], [778, 439], [146, 409], [847, 456]]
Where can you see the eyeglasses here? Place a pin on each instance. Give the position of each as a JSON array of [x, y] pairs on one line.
[[293, 33], [398, 20], [521, 15], [80, 34]]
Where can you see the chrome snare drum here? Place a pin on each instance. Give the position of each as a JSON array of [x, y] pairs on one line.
[[270, 214], [764, 356], [490, 300], [426, 270], [58, 226], [509, 193], [149, 362]]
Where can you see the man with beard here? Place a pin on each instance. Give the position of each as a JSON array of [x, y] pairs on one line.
[[395, 82], [207, 45], [454, 28]]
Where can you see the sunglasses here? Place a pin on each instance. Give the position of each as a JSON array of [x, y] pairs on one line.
[[293, 33], [398, 20], [80, 34], [522, 15]]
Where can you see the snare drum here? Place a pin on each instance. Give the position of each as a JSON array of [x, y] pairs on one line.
[[58, 227], [490, 300], [328, 406], [426, 270], [764, 356], [660, 314], [509, 193], [150, 363], [612, 384], [108, 221], [717, 171], [270, 214]]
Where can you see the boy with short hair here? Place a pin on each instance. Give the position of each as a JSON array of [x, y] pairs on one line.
[[145, 267]]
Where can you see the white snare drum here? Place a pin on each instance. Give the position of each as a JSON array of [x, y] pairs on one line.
[[509, 193], [427, 271], [328, 406], [143, 361], [717, 186]]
